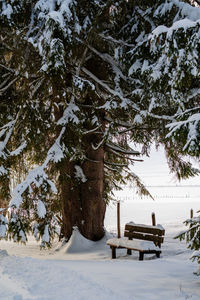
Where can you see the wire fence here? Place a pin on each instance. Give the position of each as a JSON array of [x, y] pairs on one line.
[[161, 192]]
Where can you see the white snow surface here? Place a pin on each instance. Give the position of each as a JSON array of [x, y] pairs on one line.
[[41, 209], [82, 269], [134, 244]]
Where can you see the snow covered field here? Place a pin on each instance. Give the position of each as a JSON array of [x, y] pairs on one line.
[[84, 270]]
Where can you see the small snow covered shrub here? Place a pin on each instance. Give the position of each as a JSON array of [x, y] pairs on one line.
[[18, 227], [192, 237]]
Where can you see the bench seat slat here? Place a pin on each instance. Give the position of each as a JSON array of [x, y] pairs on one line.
[[137, 245], [157, 230], [141, 236]]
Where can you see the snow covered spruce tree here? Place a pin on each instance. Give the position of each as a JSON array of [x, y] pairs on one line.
[[80, 80], [192, 237], [164, 57], [63, 89]]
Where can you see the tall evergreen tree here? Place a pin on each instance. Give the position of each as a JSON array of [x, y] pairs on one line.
[[80, 80]]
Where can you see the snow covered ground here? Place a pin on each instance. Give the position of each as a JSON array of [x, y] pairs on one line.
[[84, 270]]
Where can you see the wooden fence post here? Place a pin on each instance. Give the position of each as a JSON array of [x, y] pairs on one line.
[[118, 220], [191, 213], [153, 219]]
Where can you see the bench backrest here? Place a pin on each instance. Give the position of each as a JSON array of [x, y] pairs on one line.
[[144, 232]]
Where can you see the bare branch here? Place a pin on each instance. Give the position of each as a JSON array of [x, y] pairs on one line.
[[92, 130], [114, 164], [111, 169], [8, 69], [119, 42], [118, 148], [98, 145], [122, 156], [5, 81], [6, 87]]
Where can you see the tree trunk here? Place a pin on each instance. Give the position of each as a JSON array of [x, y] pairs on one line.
[[92, 192], [4, 194], [82, 202], [71, 204]]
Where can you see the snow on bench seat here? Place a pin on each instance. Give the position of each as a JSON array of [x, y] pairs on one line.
[[137, 245]]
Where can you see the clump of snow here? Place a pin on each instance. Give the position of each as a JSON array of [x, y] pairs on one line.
[[3, 171], [3, 226], [137, 65], [36, 232], [19, 149], [186, 10], [79, 174], [23, 236], [69, 114], [77, 243], [138, 119], [6, 10], [41, 209], [46, 237]]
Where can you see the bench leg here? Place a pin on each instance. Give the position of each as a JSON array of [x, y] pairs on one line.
[[141, 255], [113, 252], [157, 254], [129, 252]]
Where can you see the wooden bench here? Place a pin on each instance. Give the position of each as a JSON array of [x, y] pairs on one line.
[[143, 238]]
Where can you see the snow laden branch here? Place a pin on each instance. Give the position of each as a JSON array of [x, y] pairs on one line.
[[142, 190], [115, 41], [109, 59], [192, 238], [9, 129], [125, 102], [37, 179], [38, 176], [191, 126], [5, 134]]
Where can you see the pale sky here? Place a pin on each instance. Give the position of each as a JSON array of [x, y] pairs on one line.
[[155, 171]]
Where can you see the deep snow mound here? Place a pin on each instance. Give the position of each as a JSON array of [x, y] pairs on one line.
[[77, 243]]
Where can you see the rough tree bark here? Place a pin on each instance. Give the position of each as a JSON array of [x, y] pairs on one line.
[[92, 191], [82, 202]]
